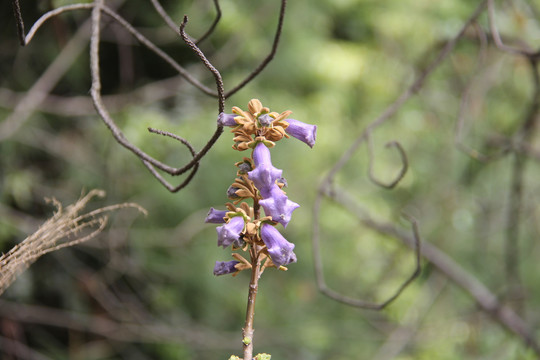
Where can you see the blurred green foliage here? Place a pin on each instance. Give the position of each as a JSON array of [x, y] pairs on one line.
[[339, 64]]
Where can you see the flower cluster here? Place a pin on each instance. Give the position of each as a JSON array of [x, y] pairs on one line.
[[260, 183]]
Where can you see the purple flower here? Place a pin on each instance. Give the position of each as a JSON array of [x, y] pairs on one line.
[[302, 131], [279, 249], [278, 206], [230, 232], [226, 119], [215, 216], [265, 174], [225, 267]]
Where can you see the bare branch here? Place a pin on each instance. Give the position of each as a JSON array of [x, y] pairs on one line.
[[485, 299], [95, 92], [402, 171], [405, 95], [50, 14], [171, 24], [268, 58], [158, 175], [152, 47], [19, 21], [209, 66], [161, 11], [516, 190], [318, 263], [213, 25], [497, 38]]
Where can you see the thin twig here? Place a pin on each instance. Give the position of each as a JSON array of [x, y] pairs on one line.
[[318, 262], [105, 116], [405, 95], [268, 58], [213, 25], [174, 27], [152, 47], [485, 299], [523, 135], [50, 14], [168, 20], [402, 171], [209, 66], [497, 38], [158, 176], [19, 21]]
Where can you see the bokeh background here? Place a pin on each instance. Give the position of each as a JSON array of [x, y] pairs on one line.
[[144, 289]]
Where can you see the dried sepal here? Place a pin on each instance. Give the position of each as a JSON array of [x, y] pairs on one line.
[[255, 106]]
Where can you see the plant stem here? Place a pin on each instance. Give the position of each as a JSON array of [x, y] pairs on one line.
[[247, 333]]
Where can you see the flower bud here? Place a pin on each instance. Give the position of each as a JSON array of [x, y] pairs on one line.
[[225, 267], [226, 119], [266, 120], [215, 216]]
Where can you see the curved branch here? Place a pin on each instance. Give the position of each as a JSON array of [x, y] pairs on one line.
[[402, 171], [406, 94], [318, 263], [497, 38], [268, 58], [158, 176], [170, 22], [151, 46], [209, 66], [50, 14], [95, 93], [214, 24], [161, 11]]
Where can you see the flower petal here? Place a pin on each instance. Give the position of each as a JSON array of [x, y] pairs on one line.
[[230, 232], [265, 174], [278, 206], [215, 216], [302, 131], [279, 249], [225, 267]]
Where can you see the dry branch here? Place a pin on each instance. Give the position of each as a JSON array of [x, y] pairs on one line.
[[67, 227]]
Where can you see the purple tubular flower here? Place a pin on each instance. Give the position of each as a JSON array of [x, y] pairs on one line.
[[215, 216], [226, 119], [279, 249], [265, 174], [278, 206], [302, 131], [225, 267], [230, 232]]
